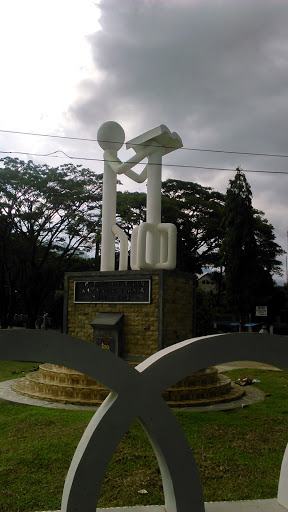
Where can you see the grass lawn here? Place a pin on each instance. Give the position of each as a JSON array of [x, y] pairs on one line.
[[238, 452]]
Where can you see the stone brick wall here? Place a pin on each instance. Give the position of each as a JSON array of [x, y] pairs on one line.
[[146, 327], [178, 308], [141, 324]]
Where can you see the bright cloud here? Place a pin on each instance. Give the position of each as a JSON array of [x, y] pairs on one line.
[[45, 52]]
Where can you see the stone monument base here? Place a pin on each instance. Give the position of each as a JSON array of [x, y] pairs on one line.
[[156, 309]]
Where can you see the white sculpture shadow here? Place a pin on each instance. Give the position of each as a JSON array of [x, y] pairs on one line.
[[136, 393]]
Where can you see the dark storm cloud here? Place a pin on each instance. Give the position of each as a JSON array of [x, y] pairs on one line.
[[214, 71], [195, 63]]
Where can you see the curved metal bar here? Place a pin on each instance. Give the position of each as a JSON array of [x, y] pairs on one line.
[[93, 454], [64, 350], [139, 396], [112, 420], [172, 364], [180, 476], [181, 480]]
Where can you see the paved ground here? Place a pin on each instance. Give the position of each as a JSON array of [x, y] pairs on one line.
[[246, 364], [221, 506]]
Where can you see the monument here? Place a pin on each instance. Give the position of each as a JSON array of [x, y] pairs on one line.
[[153, 244], [141, 307]]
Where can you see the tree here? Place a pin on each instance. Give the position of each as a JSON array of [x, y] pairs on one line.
[[249, 251], [47, 215], [197, 213], [131, 207]]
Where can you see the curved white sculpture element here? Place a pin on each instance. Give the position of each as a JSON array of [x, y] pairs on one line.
[[152, 144], [123, 261], [132, 397], [161, 251], [282, 497], [137, 393], [108, 132]]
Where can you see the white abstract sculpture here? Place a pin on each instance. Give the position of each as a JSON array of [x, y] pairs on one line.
[[153, 244]]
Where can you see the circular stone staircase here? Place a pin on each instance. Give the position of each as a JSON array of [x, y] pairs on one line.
[[61, 384]]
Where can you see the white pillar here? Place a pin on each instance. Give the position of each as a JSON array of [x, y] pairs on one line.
[[282, 497], [108, 218], [154, 183], [153, 215]]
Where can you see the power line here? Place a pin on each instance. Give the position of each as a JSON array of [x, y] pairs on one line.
[[65, 155], [48, 135], [250, 153]]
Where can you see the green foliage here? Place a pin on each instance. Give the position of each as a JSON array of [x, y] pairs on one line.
[[13, 369], [197, 212], [131, 207], [47, 215], [249, 251], [50, 216], [37, 445], [239, 244], [268, 250]]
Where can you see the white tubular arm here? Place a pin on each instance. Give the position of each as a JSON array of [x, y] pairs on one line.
[[114, 163], [121, 168], [123, 261], [139, 178]]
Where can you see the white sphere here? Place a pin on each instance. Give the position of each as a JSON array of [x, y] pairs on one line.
[[111, 135]]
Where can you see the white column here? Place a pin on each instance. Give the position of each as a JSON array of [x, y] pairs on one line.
[[282, 497], [108, 218], [153, 215], [154, 187]]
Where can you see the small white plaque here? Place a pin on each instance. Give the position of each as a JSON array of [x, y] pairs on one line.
[[261, 310]]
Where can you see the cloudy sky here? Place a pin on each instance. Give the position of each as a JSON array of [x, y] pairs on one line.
[[215, 71]]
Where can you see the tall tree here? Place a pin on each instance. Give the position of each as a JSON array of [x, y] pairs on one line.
[[197, 213], [47, 215], [249, 251]]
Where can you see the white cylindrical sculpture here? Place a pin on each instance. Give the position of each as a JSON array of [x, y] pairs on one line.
[[110, 137], [154, 182], [153, 214], [141, 251], [123, 261], [108, 219], [168, 246], [153, 244]]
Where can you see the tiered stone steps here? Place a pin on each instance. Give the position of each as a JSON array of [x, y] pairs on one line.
[[61, 384], [206, 387]]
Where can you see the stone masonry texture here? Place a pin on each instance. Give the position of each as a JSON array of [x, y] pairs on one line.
[[146, 327]]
